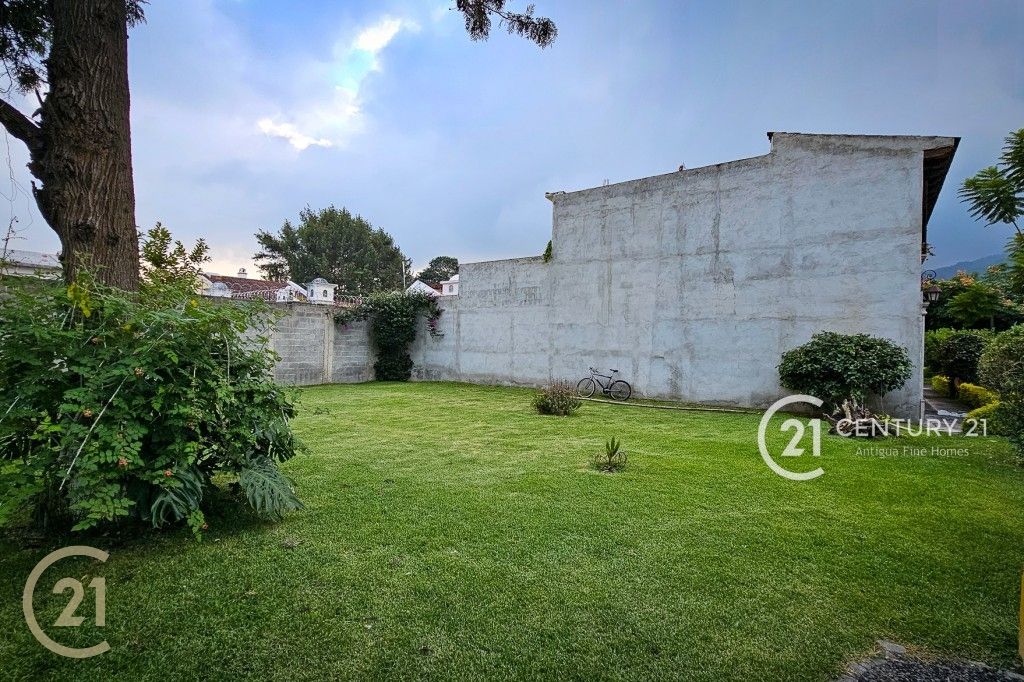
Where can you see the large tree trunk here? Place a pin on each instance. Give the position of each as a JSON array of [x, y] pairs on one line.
[[84, 156]]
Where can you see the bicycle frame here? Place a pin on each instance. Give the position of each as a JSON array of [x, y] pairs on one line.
[[605, 385]]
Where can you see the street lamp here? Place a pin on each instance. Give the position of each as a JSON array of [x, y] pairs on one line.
[[930, 293]]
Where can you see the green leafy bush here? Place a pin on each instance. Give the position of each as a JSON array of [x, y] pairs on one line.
[[933, 339], [1002, 370], [393, 319], [960, 352], [123, 406], [1002, 359], [975, 396], [559, 399], [836, 367], [990, 413], [940, 383]]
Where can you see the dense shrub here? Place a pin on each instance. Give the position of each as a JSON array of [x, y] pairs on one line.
[[1002, 370], [123, 406], [932, 341], [975, 396], [941, 385], [836, 367], [393, 319], [990, 413], [960, 352], [559, 399], [1002, 359]]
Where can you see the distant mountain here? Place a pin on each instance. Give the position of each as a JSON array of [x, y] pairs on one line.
[[977, 265]]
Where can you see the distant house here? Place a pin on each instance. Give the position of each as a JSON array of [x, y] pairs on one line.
[[424, 288], [241, 286], [15, 262], [450, 287]]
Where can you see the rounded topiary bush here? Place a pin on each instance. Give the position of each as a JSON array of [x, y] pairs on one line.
[[837, 367]]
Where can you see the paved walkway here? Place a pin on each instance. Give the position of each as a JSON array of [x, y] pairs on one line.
[[938, 406]]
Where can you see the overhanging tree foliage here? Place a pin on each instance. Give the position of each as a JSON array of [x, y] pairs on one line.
[[996, 195], [79, 139]]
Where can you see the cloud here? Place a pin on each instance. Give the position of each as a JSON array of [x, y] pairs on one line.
[[375, 38], [287, 131], [338, 113]]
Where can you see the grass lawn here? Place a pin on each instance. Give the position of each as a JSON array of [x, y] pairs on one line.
[[452, 532]]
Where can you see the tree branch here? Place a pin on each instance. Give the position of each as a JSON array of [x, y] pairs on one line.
[[19, 125]]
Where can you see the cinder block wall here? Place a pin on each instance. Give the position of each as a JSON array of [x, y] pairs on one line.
[[314, 349]]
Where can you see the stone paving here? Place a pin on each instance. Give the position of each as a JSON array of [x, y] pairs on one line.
[[946, 409]]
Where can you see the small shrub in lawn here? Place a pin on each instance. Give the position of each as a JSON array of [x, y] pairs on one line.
[[959, 354], [976, 396], [940, 383], [613, 458], [559, 399]]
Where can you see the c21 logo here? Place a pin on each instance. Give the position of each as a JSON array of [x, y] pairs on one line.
[[68, 617], [793, 449]]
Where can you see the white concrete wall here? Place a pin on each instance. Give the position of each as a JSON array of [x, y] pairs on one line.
[[694, 283]]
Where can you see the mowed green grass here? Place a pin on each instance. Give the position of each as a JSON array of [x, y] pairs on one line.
[[451, 532]]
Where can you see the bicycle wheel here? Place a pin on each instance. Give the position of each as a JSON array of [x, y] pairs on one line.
[[586, 387], [620, 390]]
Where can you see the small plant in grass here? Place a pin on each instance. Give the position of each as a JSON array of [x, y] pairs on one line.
[[613, 458], [558, 399]]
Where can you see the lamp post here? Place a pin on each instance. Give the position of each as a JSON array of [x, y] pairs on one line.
[[930, 293]]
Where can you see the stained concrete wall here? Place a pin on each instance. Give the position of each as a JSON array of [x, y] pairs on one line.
[[694, 283], [313, 349]]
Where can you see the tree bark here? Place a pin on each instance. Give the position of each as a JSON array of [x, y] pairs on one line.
[[83, 156]]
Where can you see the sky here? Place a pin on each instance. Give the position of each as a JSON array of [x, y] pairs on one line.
[[246, 111]]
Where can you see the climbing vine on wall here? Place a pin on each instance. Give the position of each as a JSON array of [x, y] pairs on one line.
[[393, 317]]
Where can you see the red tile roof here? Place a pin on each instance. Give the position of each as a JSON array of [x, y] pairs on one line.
[[241, 284]]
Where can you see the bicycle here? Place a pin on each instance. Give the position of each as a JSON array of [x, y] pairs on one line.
[[616, 389]]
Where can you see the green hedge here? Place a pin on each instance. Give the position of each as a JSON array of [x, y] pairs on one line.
[[976, 396], [990, 413], [940, 384]]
